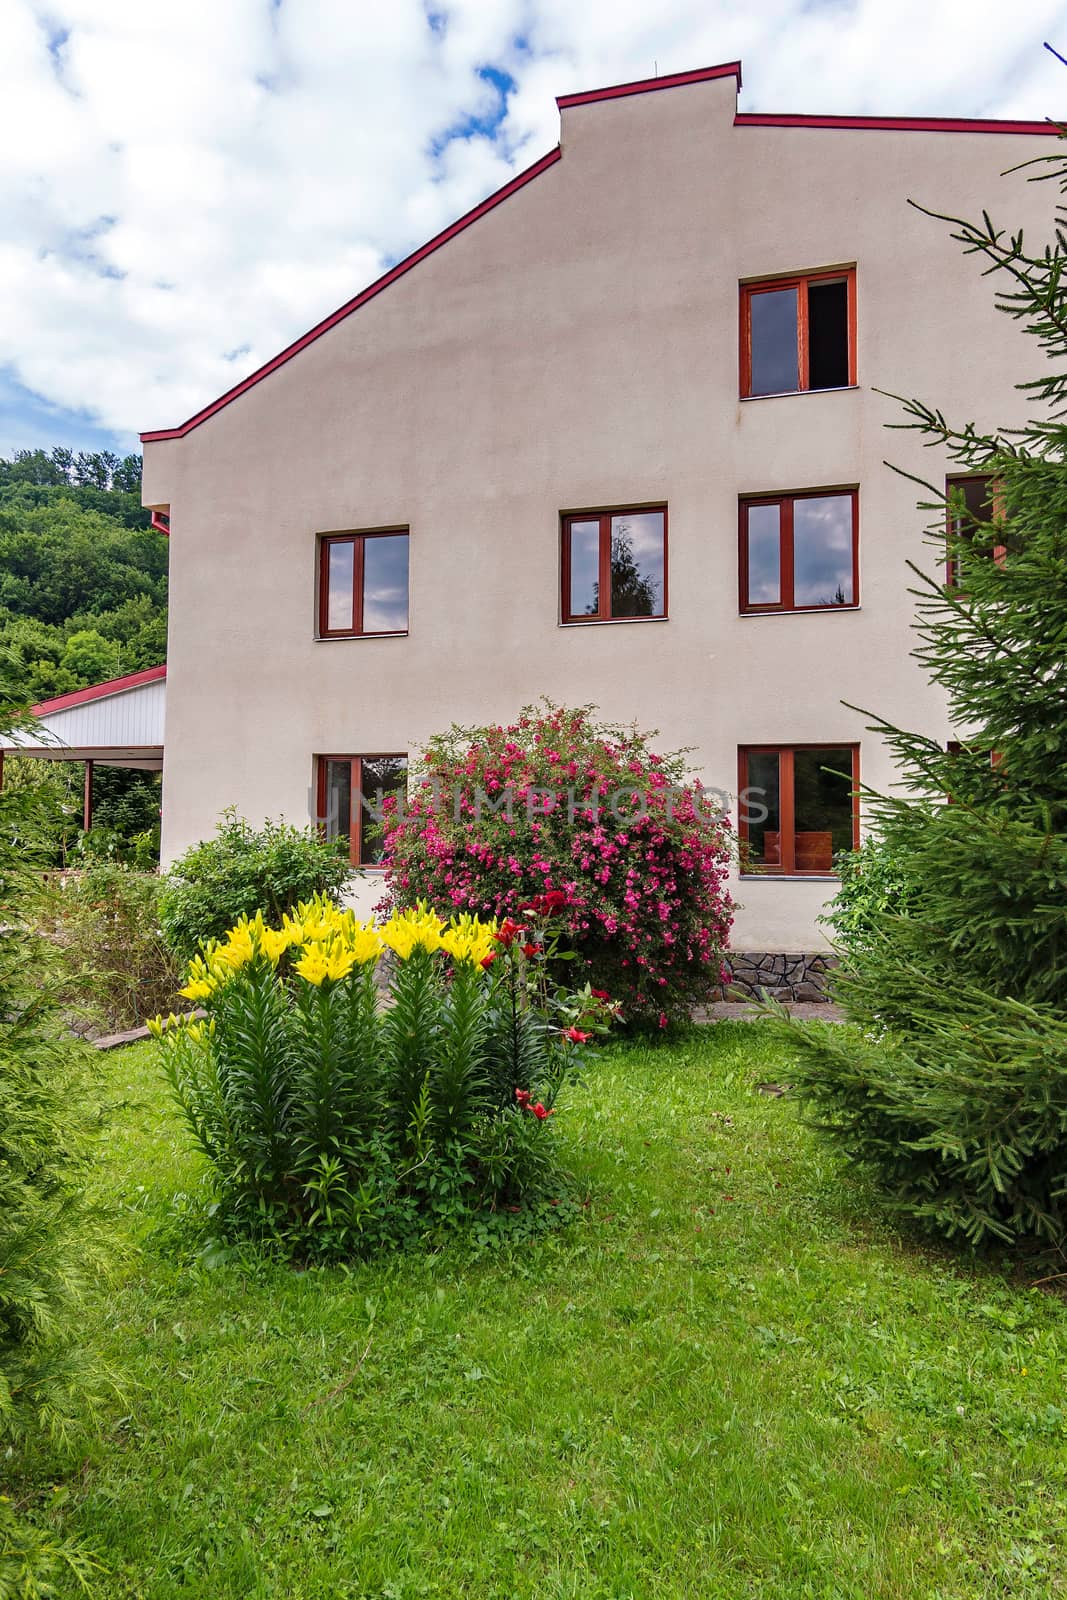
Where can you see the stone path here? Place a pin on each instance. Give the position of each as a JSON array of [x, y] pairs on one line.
[[733, 1011]]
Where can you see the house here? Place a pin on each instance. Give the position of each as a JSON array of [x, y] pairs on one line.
[[615, 436]]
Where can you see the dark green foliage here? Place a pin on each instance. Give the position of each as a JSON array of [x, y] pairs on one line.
[[954, 924], [126, 818], [242, 870], [874, 884], [83, 577], [49, 1254]]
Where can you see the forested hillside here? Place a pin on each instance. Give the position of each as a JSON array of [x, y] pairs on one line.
[[83, 577], [83, 597]]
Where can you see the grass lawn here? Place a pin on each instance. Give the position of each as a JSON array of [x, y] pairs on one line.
[[731, 1378]]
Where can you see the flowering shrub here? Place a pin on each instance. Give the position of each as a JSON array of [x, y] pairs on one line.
[[338, 1123], [559, 812]]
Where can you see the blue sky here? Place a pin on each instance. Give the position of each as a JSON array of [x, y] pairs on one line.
[[186, 186]]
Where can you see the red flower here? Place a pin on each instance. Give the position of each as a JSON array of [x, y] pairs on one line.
[[523, 1097], [487, 961], [600, 994], [507, 933], [540, 1113], [576, 1035], [554, 900], [529, 950]]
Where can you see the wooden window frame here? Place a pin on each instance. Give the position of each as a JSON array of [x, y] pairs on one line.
[[800, 282], [355, 837], [358, 541], [955, 480], [785, 503], [787, 868], [604, 567]]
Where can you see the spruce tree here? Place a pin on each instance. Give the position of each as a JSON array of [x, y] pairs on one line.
[[953, 1087]]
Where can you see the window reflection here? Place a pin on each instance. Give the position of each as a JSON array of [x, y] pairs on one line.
[[637, 564], [822, 550], [775, 368], [764, 555], [339, 598], [385, 584]]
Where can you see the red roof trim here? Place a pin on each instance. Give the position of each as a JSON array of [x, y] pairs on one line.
[[100, 691], [760, 119], [360, 299], [673, 80]]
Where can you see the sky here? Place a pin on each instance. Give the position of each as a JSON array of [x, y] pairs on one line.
[[188, 185]]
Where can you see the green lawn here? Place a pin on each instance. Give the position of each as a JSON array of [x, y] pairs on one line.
[[730, 1378]]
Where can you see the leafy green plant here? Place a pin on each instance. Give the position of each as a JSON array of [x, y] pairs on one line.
[[242, 871], [953, 1088], [105, 921], [875, 886], [336, 1124]]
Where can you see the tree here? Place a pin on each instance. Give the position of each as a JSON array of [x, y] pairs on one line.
[[49, 1239], [633, 593], [954, 1087], [89, 657], [77, 556]]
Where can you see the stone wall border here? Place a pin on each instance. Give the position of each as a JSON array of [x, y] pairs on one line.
[[788, 975]]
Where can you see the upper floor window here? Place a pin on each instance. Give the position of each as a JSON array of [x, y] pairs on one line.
[[363, 583], [799, 552], [614, 565], [798, 807], [355, 795], [974, 510], [799, 333]]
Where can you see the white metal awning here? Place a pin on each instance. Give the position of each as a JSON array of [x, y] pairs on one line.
[[114, 724]]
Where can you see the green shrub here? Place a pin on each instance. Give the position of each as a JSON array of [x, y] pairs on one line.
[[105, 919], [126, 806], [244, 870], [875, 886], [337, 1125], [49, 1238]]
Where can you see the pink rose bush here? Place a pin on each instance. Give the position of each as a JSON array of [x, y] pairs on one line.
[[627, 852]]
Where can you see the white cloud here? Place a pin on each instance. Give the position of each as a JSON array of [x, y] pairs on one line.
[[187, 185]]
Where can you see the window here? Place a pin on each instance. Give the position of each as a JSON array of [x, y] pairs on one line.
[[799, 552], [363, 583], [799, 333], [614, 565], [354, 795], [973, 513], [798, 807]]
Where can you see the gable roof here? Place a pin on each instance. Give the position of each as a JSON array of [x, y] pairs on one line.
[[100, 691], [743, 119]]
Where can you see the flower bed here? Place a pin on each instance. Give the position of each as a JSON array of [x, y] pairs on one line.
[[337, 1123]]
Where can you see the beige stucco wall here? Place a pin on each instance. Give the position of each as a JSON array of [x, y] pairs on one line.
[[576, 348]]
